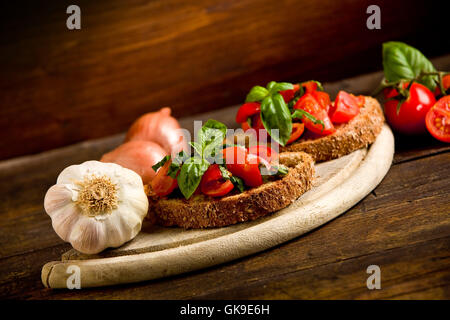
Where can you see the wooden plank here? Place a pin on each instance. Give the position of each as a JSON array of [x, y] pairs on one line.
[[391, 220], [59, 86]]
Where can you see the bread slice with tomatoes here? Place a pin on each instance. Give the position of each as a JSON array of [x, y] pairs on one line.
[[358, 133], [200, 211]]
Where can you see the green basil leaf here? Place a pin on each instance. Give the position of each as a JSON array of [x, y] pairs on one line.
[[197, 147], [160, 163], [180, 157], [190, 175], [257, 93], [275, 115], [401, 61], [270, 85], [238, 183], [299, 113], [281, 86], [173, 170], [212, 131]]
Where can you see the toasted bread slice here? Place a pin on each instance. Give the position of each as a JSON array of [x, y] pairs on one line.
[[201, 211], [358, 133]]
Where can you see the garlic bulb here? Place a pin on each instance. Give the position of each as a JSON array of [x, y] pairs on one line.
[[96, 205]]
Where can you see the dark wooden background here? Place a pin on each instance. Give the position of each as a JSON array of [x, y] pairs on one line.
[[58, 86]]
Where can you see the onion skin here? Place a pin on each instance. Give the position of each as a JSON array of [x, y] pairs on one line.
[[138, 156], [159, 127]]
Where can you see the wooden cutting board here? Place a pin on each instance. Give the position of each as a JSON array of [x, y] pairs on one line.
[[159, 252]]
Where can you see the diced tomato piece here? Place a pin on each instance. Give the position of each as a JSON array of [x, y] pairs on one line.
[[323, 98], [247, 110], [345, 108], [297, 131], [288, 95], [241, 165], [310, 86], [245, 126], [213, 184], [264, 152], [162, 184], [309, 103]]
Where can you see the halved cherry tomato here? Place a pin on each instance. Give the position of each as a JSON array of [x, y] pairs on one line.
[[438, 120], [213, 184], [264, 152], [247, 110], [445, 83], [309, 103], [288, 95], [345, 108], [297, 131], [241, 165], [162, 184], [411, 117]]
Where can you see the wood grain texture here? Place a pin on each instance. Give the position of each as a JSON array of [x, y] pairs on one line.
[[58, 86]]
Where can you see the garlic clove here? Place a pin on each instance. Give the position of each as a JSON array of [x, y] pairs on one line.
[[57, 197], [88, 236], [63, 221]]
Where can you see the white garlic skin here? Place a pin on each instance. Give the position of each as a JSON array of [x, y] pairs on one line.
[[92, 234]]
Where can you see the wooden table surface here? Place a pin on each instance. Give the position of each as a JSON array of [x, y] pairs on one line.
[[403, 226]]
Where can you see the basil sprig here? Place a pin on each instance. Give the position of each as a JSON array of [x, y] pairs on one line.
[[189, 170], [275, 114], [403, 62]]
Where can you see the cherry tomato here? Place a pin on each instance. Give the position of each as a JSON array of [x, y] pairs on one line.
[[309, 103], [297, 131], [445, 83], [162, 184], [288, 95], [438, 120], [247, 110], [264, 152], [411, 117], [213, 184], [241, 165], [345, 108]]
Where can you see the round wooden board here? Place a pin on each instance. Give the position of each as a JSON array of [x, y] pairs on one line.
[[159, 252]]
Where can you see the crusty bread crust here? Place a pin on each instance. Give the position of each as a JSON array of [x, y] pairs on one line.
[[201, 211], [358, 133]]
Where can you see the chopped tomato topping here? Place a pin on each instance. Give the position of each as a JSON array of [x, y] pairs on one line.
[[213, 184], [345, 108], [162, 184], [309, 104], [297, 131]]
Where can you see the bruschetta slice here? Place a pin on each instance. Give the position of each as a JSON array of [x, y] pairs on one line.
[[359, 132], [201, 211], [301, 117]]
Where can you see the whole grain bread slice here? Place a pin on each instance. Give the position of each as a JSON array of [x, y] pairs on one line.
[[201, 211], [358, 133]]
